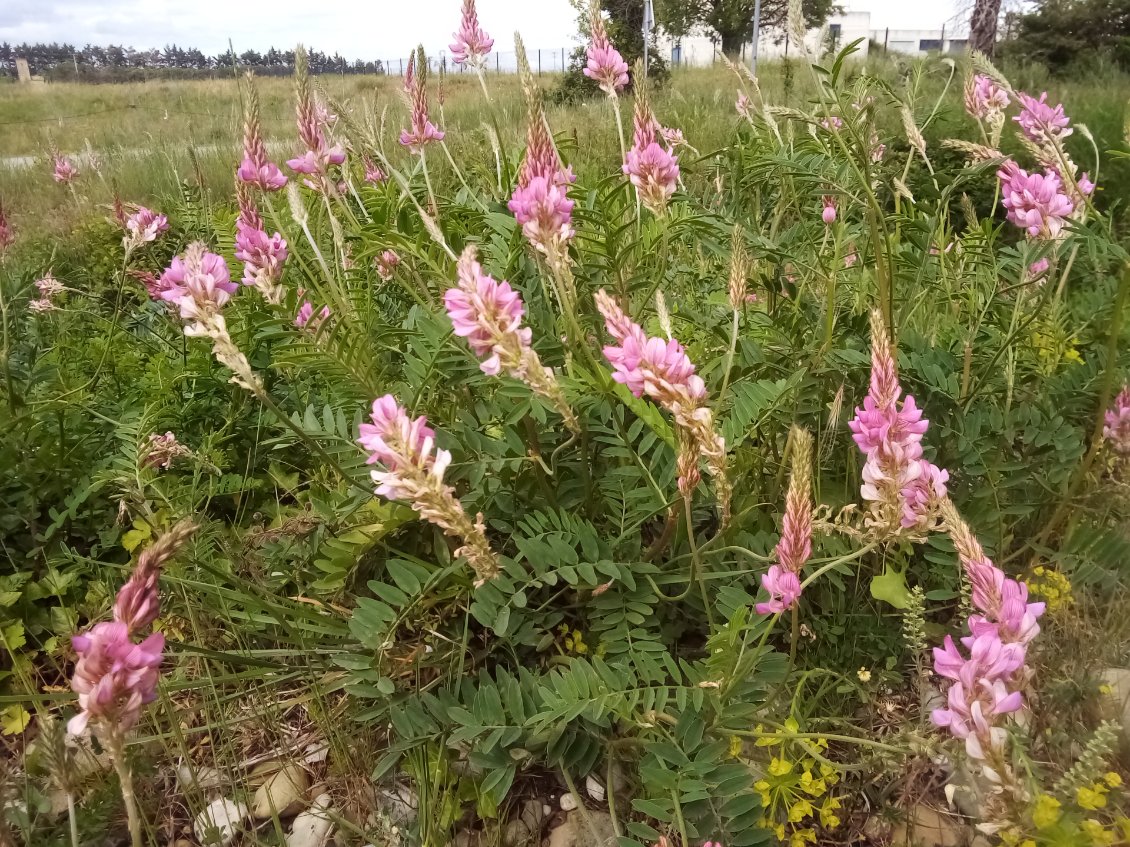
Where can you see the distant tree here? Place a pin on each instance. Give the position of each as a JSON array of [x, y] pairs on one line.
[[731, 21], [1058, 33]]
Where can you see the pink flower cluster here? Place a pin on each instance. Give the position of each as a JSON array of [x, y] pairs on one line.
[[744, 105], [829, 213], [489, 315], [387, 264], [1041, 122], [262, 255], [421, 130], [782, 580], [313, 124], [373, 173], [903, 489], [1035, 202], [1116, 425], [198, 283], [144, 226], [986, 683], [159, 451], [306, 313], [540, 201], [663, 371], [114, 677], [64, 171], [7, 234], [49, 288], [471, 44], [605, 66], [984, 99], [652, 169], [413, 472], [256, 168]]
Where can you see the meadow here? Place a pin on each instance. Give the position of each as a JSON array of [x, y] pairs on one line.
[[728, 462]]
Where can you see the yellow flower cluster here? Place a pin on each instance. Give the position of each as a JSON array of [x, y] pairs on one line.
[[574, 640], [1051, 586], [795, 794], [1054, 827], [1094, 796], [1053, 347]]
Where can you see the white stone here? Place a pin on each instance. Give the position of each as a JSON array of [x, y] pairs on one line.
[[284, 793], [203, 778], [312, 828], [575, 832], [316, 753], [568, 801], [594, 789], [220, 822]]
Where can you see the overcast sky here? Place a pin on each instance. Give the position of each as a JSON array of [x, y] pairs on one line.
[[367, 29]]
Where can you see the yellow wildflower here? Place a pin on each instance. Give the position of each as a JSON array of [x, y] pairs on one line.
[[828, 818], [735, 746], [801, 837], [1091, 798], [780, 766], [1046, 813], [800, 810], [863, 674], [1097, 833], [779, 831], [762, 788], [1105, 690], [1112, 779]]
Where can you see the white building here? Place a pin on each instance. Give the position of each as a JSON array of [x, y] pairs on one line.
[[919, 42], [701, 48]]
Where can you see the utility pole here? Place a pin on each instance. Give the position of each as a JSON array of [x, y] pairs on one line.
[[756, 35], [648, 24]]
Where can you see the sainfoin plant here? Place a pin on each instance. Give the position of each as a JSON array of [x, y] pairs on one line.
[[633, 467]]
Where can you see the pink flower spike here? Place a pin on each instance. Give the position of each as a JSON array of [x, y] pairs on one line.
[[114, 677], [7, 235], [302, 320], [197, 283], [604, 65], [829, 213], [1041, 122], [783, 587], [267, 175], [489, 315], [387, 264], [421, 131], [744, 105], [64, 171], [144, 226], [471, 44], [1116, 428], [1035, 202], [984, 98]]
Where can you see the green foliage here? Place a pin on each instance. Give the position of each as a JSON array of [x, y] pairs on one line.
[[1063, 34]]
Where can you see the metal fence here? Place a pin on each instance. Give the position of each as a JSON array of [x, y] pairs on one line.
[[542, 60]]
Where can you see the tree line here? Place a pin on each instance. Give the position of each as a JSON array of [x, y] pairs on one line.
[[116, 63]]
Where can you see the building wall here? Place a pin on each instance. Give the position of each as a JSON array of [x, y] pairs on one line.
[[699, 50], [919, 42]]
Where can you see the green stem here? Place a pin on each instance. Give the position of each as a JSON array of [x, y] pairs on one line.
[[696, 561], [729, 357], [116, 747]]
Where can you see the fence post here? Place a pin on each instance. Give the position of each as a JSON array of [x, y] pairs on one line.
[[497, 63], [402, 67], [539, 61], [562, 60], [886, 35]]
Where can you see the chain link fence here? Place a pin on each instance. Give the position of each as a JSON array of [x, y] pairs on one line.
[[543, 60]]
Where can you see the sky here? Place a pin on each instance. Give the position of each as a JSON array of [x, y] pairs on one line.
[[365, 29]]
